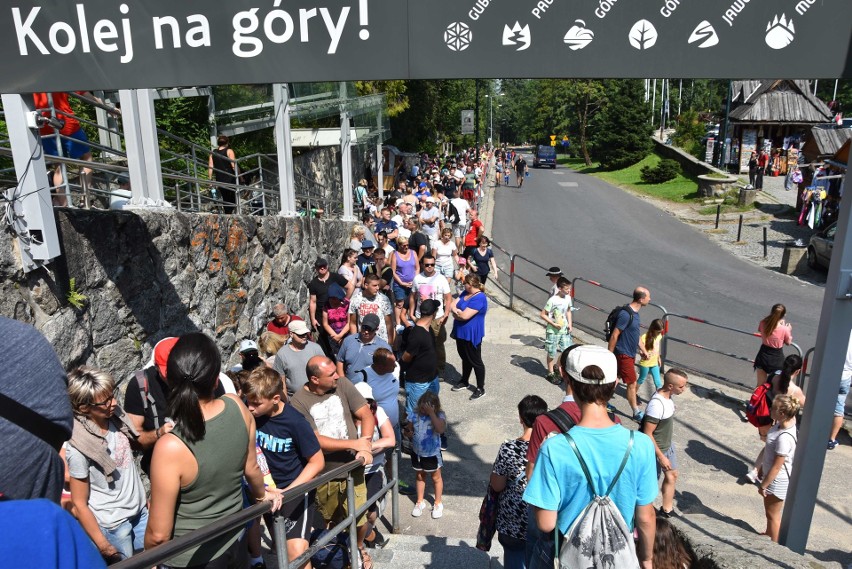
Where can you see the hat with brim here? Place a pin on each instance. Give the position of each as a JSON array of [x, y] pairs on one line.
[[583, 356], [247, 346], [336, 291], [299, 328], [370, 322], [554, 272], [367, 244]]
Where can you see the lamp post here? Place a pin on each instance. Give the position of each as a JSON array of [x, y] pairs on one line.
[[491, 117]]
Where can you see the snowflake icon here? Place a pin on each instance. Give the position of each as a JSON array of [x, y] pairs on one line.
[[458, 36]]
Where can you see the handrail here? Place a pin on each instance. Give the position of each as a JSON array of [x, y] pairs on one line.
[[165, 551]]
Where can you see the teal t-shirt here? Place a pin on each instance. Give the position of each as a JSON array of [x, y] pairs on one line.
[[558, 482]]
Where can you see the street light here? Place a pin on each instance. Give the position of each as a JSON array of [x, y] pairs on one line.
[[491, 117]]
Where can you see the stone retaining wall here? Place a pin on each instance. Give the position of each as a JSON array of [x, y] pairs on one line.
[[719, 543], [146, 275]]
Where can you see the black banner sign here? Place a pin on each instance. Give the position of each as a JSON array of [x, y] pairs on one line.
[[105, 44]]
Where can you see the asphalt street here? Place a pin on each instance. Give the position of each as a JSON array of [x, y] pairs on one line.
[[713, 444], [598, 232]]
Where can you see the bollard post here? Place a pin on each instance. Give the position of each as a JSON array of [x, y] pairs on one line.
[[764, 243], [740, 229], [511, 281], [718, 213]]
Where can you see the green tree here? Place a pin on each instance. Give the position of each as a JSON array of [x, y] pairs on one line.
[[588, 97], [621, 134], [689, 131], [395, 91]]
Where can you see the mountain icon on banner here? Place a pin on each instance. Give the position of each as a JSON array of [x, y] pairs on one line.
[[780, 32], [517, 35], [704, 33], [578, 36]]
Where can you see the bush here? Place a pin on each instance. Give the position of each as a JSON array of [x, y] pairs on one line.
[[663, 172]]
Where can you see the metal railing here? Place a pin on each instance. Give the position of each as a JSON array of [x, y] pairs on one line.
[[671, 333], [187, 181], [170, 549]]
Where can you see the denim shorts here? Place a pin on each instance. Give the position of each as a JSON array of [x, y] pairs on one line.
[[128, 537], [840, 406]]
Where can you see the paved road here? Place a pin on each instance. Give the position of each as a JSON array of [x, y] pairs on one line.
[[597, 231], [714, 447]]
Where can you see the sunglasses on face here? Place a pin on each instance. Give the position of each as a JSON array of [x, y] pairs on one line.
[[104, 403], [302, 336], [428, 264]]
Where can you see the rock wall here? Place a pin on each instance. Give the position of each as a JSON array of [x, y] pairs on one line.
[[126, 280]]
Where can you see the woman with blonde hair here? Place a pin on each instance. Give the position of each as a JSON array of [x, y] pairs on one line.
[[778, 461], [775, 333], [356, 237], [106, 491], [269, 344]]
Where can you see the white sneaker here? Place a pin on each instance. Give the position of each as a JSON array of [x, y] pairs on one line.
[[437, 511], [418, 509]]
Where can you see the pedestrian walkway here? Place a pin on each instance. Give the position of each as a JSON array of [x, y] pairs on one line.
[[713, 442]]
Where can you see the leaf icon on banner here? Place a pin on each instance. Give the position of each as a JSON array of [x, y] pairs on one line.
[[643, 35]]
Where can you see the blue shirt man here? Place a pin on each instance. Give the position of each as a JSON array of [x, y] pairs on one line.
[[356, 352], [624, 343], [558, 489]]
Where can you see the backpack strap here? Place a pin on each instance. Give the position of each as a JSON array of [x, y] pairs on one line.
[[585, 468], [147, 398], [561, 418], [363, 373], [796, 441]]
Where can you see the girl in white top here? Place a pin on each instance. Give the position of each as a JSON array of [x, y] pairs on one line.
[[778, 461], [446, 253], [349, 268]]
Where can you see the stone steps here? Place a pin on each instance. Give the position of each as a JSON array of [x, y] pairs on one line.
[[416, 552]]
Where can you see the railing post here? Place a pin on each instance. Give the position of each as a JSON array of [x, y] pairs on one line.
[[195, 169], [280, 541], [511, 281], [354, 554], [395, 492]]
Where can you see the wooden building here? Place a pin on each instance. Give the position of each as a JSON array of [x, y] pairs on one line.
[[774, 115], [823, 141]]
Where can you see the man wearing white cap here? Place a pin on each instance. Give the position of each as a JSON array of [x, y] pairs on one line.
[[558, 489], [291, 359]]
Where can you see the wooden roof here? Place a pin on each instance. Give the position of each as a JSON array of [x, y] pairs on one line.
[[777, 101], [826, 139]]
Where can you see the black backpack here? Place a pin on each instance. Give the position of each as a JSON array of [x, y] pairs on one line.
[[609, 325], [453, 214]]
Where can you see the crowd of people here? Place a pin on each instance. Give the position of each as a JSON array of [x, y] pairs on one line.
[[182, 443]]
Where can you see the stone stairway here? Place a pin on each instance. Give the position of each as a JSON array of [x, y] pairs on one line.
[[416, 552]]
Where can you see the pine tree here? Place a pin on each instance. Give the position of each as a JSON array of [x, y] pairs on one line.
[[621, 134]]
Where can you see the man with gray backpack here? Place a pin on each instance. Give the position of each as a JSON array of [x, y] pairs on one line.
[[593, 484]]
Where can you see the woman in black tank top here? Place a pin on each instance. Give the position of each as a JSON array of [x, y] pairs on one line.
[[222, 168]]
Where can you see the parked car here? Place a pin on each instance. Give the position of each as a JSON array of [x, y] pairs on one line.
[[820, 246], [544, 156]]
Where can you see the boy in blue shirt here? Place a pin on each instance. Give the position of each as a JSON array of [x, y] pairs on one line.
[[291, 449]]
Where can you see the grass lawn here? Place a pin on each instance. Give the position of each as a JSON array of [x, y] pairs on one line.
[[577, 164], [682, 189]]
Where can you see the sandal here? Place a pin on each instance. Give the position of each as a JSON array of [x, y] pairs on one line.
[[366, 560]]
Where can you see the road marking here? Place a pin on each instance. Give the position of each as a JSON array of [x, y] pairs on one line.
[[558, 173], [569, 184]]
